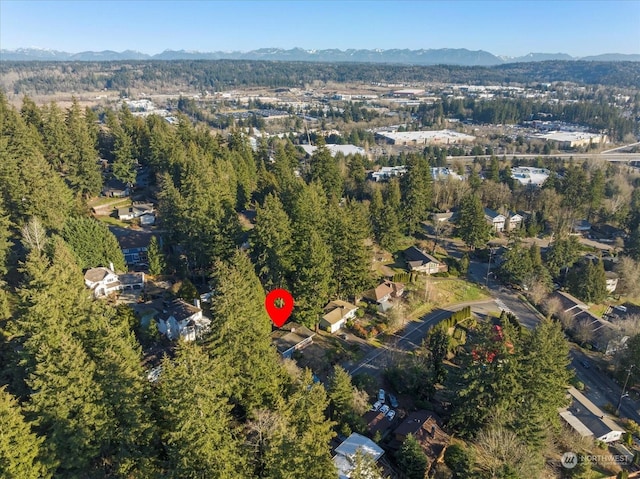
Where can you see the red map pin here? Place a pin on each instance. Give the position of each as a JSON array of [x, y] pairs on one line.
[[279, 304]]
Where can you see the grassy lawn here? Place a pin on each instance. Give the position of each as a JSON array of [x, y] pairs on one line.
[[448, 291], [598, 309], [107, 201], [110, 220]]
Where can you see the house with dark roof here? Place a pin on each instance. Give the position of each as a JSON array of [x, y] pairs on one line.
[[138, 210], [425, 427], [115, 188], [588, 420], [384, 294], [180, 319], [336, 314], [418, 260], [291, 337], [495, 219]]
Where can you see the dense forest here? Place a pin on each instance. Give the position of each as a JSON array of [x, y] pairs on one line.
[[50, 77], [73, 390]]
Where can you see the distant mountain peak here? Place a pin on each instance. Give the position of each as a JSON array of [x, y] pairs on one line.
[[440, 56]]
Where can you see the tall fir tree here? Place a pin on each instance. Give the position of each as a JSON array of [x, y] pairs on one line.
[[198, 433], [93, 243], [417, 193], [472, 226], [84, 172], [271, 243], [21, 454]]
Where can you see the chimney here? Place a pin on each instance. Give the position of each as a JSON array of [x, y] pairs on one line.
[[111, 266]]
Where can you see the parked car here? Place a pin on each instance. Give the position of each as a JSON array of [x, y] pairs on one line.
[[585, 364], [391, 414], [393, 401], [381, 395], [384, 409], [376, 406]]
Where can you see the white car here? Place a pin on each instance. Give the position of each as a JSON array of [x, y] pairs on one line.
[[384, 409], [376, 406], [391, 414], [381, 395]]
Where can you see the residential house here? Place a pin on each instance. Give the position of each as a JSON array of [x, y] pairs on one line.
[[611, 281], [588, 420], [180, 319], [133, 243], [291, 337], [136, 210], [581, 227], [515, 221], [346, 452], [104, 281], [336, 314], [387, 172], [116, 189], [425, 427], [495, 219], [383, 294], [578, 312], [418, 260], [443, 217]]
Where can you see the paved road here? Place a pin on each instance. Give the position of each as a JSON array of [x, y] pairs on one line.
[[600, 388], [621, 157], [376, 360]]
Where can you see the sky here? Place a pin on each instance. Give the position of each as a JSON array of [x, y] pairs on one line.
[[507, 27]]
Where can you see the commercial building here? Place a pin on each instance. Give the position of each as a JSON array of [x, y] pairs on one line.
[[437, 137]]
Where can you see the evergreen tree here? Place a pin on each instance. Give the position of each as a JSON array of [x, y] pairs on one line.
[[20, 449], [411, 460], [472, 226], [57, 143], [27, 182], [240, 334], [364, 466], [302, 449], [198, 434], [271, 243], [84, 173], [118, 357], [351, 257], [384, 220], [562, 253], [157, 262], [67, 403], [545, 376], [417, 194], [93, 243], [494, 169], [124, 163], [312, 280], [324, 170]]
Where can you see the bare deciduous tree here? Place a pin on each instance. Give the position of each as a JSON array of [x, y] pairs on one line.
[[497, 447], [34, 236]]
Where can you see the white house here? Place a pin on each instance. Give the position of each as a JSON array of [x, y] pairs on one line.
[[337, 313], [418, 260], [346, 452], [383, 294], [136, 211], [515, 221], [611, 281], [495, 219], [180, 319], [103, 281], [589, 420]]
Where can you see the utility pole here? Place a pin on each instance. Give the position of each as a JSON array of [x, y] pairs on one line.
[[489, 267], [622, 395]]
